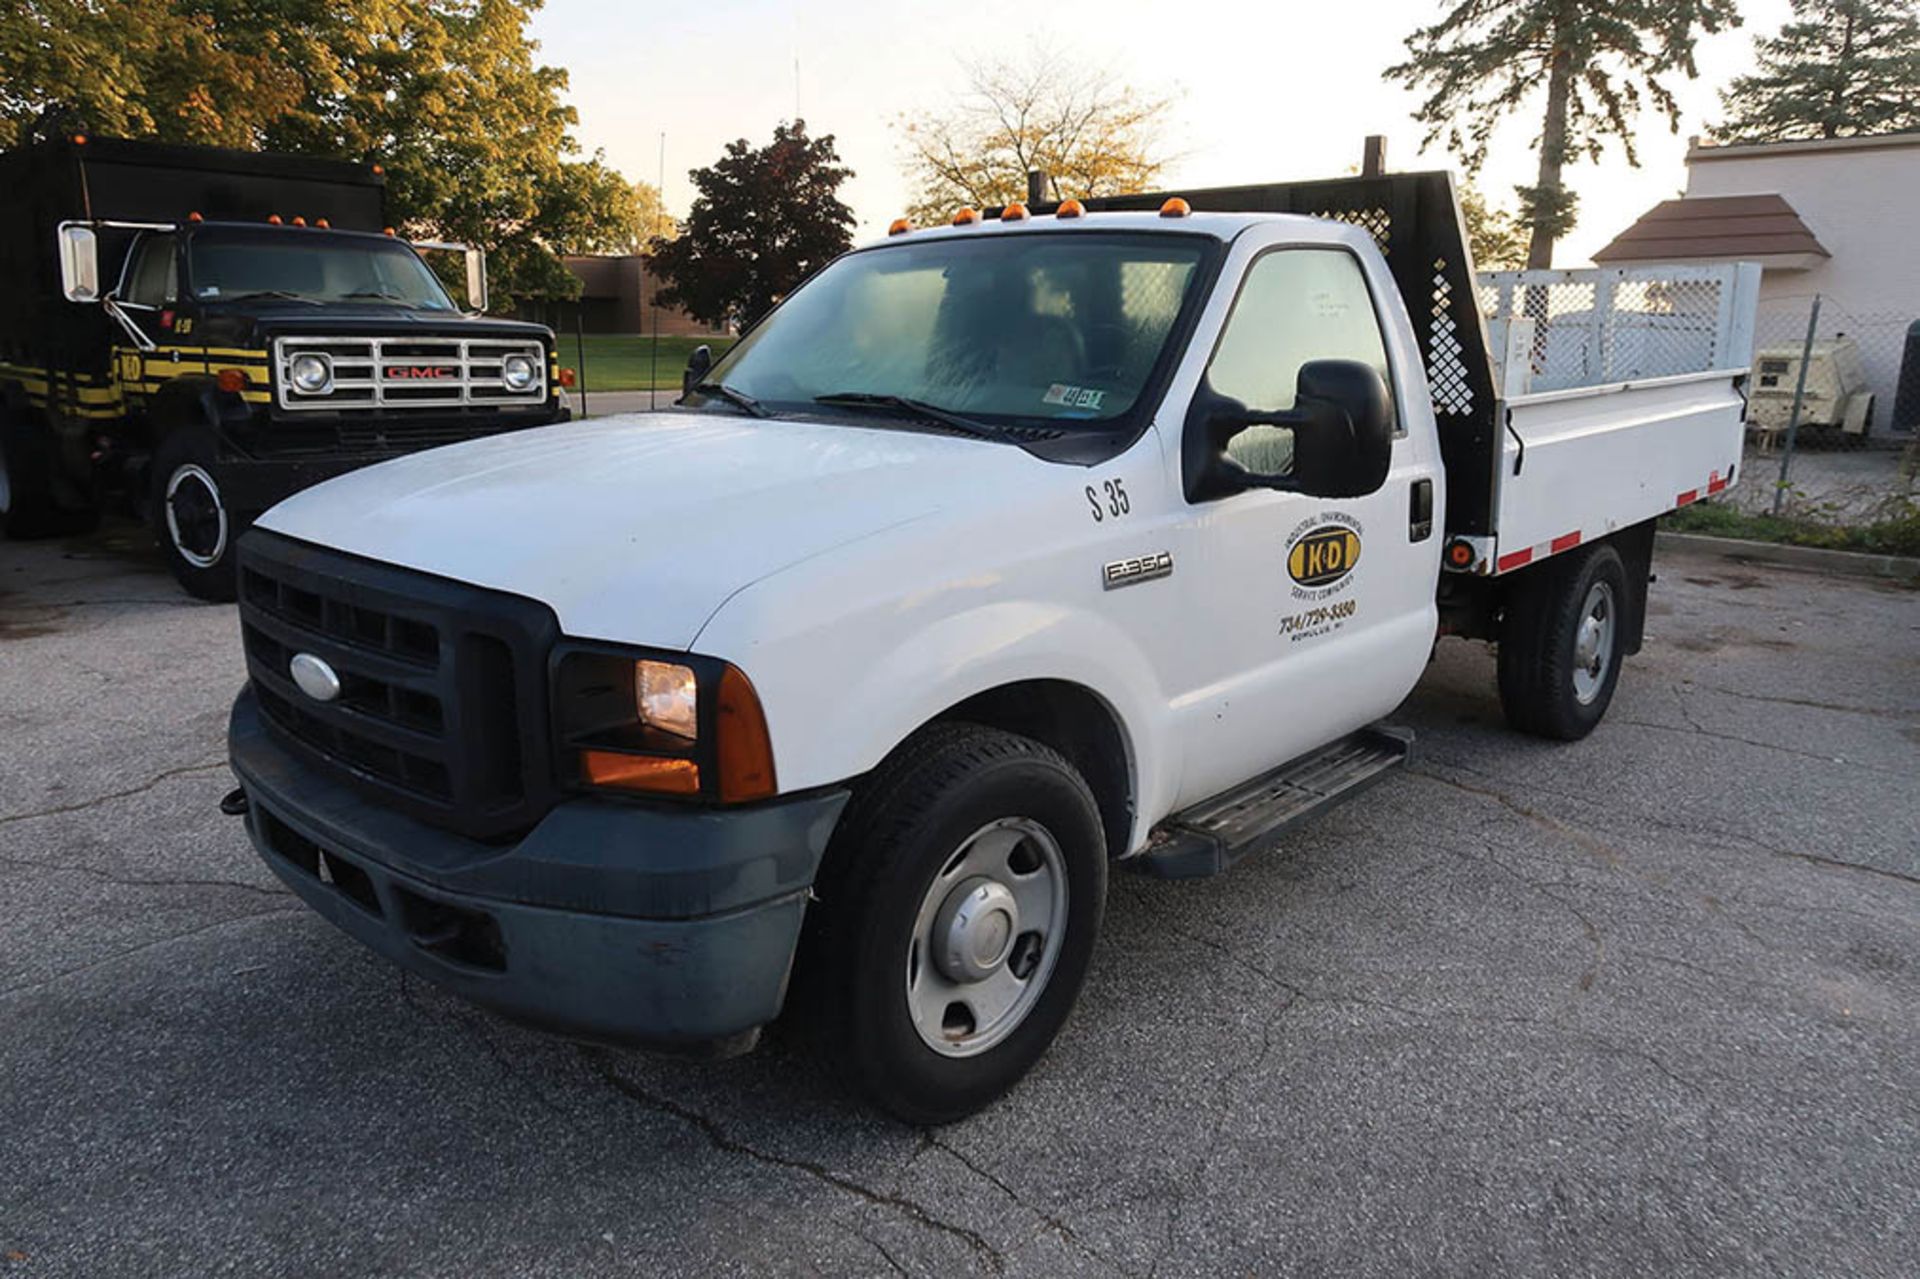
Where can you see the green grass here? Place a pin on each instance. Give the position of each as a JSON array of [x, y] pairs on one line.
[[1897, 536], [625, 361]]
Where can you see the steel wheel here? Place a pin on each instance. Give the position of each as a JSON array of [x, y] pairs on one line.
[[987, 937], [1593, 642], [196, 520]]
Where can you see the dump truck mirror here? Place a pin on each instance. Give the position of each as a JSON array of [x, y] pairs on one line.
[[79, 262], [477, 278]]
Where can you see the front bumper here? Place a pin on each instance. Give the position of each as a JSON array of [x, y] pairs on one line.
[[668, 927]]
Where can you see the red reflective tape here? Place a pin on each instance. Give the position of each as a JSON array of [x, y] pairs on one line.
[[1714, 486], [1514, 560], [1565, 542], [1687, 497]]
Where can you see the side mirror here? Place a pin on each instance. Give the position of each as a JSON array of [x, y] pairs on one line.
[[1341, 443], [477, 278], [1348, 448], [79, 262], [698, 366]]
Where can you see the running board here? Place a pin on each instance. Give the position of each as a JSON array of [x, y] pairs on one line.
[[1215, 833]]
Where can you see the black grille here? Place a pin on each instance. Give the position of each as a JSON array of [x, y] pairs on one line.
[[442, 702]]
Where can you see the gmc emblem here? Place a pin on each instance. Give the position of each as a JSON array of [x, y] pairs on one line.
[[421, 373]]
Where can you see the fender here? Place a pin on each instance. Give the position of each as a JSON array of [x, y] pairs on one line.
[[195, 399], [838, 707]]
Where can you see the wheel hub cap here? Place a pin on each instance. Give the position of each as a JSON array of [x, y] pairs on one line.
[[986, 937], [1593, 643], [975, 930]]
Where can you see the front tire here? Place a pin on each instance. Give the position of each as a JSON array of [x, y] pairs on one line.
[[955, 920], [1562, 642], [191, 519]]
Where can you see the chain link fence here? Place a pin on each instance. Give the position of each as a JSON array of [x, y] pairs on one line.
[[1833, 407]]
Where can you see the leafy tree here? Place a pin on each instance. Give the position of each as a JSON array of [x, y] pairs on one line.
[[765, 219], [651, 221], [445, 94], [1496, 238], [1843, 67], [1090, 133], [1596, 62], [136, 68]]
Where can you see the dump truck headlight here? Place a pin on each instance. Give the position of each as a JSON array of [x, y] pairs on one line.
[[519, 372], [310, 374]]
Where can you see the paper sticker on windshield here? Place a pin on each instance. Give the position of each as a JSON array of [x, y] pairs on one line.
[[1073, 397]]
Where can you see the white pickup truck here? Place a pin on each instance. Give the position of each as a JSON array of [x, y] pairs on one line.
[[997, 555]]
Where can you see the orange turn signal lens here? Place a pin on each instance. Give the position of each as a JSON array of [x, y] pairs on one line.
[[1460, 554], [640, 772], [966, 217], [568, 377], [1175, 207], [232, 381], [744, 749], [900, 226], [1015, 212], [1070, 209]]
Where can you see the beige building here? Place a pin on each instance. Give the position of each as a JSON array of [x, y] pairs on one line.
[[617, 296]]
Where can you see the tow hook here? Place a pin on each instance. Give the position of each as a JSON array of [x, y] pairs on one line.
[[234, 802]]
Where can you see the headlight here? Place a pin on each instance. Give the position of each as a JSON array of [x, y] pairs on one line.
[[519, 372], [310, 374], [685, 725]]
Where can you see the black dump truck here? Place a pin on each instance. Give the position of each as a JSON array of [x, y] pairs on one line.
[[196, 333]]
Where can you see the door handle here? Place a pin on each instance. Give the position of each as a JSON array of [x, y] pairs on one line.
[[1420, 511]]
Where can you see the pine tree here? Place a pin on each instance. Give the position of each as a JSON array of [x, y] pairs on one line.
[[1597, 64], [1842, 67]]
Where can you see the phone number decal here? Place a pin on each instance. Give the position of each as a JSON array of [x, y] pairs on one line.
[[1317, 621]]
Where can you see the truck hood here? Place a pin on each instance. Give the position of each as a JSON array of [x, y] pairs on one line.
[[637, 528]]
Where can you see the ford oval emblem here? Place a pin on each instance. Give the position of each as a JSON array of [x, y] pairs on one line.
[[315, 678]]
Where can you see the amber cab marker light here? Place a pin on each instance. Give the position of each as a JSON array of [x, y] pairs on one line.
[[966, 217], [900, 226], [744, 750], [323, 224], [389, 230], [379, 169], [1070, 209], [79, 139], [195, 216], [640, 772], [299, 221], [1015, 212], [1175, 207], [273, 219], [232, 381]]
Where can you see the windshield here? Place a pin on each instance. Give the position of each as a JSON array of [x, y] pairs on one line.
[[314, 265], [1055, 327]]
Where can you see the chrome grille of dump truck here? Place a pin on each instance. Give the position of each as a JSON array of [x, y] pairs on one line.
[[410, 373]]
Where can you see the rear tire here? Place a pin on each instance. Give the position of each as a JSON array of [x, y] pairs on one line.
[[190, 518], [954, 921], [1562, 642], [27, 505]]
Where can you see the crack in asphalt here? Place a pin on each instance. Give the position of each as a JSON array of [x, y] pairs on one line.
[[124, 881], [110, 796], [933, 1141], [1599, 848], [145, 946], [718, 1137], [472, 1022], [1877, 712], [1695, 728]]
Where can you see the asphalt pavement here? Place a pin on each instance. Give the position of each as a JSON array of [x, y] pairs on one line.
[[1645, 1004]]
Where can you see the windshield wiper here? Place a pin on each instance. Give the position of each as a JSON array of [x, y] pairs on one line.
[[381, 294], [272, 293], [931, 412], [739, 399]]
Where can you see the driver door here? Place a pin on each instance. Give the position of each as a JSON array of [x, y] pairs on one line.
[[1317, 614]]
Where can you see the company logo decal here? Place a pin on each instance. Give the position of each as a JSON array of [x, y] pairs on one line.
[[420, 373], [1323, 555]]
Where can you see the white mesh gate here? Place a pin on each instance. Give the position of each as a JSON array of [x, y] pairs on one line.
[[1554, 330]]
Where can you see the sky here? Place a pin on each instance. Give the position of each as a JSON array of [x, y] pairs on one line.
[[1262, 91]]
